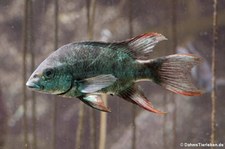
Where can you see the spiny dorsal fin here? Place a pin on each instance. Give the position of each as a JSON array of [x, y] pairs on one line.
[[135, 95], [141, 46]]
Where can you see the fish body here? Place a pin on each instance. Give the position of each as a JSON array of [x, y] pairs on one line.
[[88, 69]]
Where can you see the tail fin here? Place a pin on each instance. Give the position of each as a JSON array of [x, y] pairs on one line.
[[174, 73]]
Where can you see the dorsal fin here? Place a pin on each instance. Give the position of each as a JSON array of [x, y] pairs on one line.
[[138, 47], [141, 46]]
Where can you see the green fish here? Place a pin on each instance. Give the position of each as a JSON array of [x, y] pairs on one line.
[[86, 70]]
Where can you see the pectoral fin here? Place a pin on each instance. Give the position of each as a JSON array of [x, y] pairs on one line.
[[135, 95], [94, 84], [95, 101]]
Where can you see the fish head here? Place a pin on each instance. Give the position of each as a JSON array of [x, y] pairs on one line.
[[51, 76]]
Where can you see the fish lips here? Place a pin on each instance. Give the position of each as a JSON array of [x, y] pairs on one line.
[[32, 84]]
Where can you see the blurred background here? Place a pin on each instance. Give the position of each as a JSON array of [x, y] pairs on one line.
[[32, 29]]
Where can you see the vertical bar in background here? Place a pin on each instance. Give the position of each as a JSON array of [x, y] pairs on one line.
[[166, 94], [92, 126], [103, 115], [164, 133], [56, 23], [79, 126], [25, 44], [54, 137], [130, 19], [103, 125], [33, 96], [91, 6], [34, 117], [3, 121], [174, 45], [213, 93]]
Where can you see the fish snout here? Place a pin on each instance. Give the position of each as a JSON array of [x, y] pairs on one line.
[[33, 82]]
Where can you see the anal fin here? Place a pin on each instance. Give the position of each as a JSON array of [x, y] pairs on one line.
[[95, 101], [135, 95]]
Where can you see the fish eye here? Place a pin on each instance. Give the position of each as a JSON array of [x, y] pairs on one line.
[[48, 73]]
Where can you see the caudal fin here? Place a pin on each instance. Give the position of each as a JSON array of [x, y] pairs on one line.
[[174, 73]]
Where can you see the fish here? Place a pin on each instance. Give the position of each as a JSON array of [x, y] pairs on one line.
[[87, 70]]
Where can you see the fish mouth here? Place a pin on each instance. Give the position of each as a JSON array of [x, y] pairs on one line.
[[33, 85]]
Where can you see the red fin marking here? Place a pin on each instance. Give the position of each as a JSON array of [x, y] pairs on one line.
[[135, 95], [142, 45], [187, 93], [146, 35], [148, 106]]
